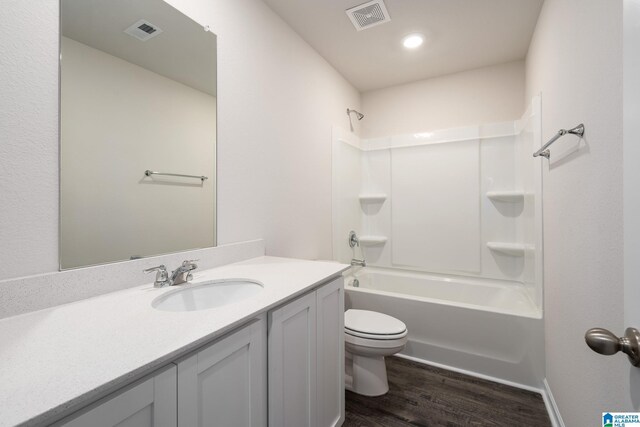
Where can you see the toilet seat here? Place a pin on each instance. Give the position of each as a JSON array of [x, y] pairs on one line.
[[381, 337], [372, 325], [395, 343]]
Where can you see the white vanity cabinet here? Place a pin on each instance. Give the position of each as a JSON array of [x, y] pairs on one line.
[[306, 360], [148, 403], [225, 384], [290, 374]]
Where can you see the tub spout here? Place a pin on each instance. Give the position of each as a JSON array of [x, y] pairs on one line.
[[358, 262]]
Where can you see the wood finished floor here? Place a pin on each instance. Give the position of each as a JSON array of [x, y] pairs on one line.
[[422, 395]]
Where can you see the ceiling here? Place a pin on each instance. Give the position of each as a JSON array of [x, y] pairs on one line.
[[460, 35], [183, 52]]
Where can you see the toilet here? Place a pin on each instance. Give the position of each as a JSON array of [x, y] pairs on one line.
[[369, 337]]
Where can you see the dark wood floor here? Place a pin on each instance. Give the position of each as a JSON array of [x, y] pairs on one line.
[[421, 395]]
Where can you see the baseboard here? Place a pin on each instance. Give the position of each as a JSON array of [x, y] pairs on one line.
[[552, 407], [547, 396], [473, 374]]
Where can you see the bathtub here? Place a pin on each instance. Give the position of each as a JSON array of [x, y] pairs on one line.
[[484, 328]]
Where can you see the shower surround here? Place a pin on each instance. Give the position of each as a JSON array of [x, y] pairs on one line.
[[450, 225]]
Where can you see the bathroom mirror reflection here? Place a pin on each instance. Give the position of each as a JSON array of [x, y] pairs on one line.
[[137, 94]]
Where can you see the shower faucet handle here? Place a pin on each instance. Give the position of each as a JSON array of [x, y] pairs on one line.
[[353, 239]]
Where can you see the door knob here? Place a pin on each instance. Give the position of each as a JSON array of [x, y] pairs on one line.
[[605, 342]]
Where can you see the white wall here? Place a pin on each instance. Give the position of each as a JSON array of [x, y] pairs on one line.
[[277, 102], [575, 62], [28, 137], [109, 210], [485, 95]]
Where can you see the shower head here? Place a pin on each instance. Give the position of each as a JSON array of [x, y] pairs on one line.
[[359, 115]]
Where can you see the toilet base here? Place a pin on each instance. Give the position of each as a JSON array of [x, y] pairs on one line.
[[367, 375]]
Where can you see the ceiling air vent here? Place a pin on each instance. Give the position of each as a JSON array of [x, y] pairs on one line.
[[368, 14], [143, 30]]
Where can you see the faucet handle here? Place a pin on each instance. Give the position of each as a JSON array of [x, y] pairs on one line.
[[159, 268], [353, 239], [190, 265], [162, 276], [182, 274]]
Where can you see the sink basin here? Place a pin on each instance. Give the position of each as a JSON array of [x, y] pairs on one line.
[[205, 295]]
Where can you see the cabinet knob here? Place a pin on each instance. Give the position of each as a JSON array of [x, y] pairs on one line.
[[606, 342]]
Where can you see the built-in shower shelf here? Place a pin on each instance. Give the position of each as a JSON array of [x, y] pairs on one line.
[[513, 249], [506, 196], [372, 240], [372, 198]]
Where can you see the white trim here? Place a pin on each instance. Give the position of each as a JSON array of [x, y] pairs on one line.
[[440, 136], [552, 407], [473, 374]]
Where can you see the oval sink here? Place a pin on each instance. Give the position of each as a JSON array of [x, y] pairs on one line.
[[202, 296]]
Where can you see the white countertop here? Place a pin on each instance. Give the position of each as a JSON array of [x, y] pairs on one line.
[[66, 356]]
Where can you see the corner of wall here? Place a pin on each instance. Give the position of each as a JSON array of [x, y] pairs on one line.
[[552, 407]]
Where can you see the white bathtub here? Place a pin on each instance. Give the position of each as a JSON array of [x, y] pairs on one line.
[[486, 328]]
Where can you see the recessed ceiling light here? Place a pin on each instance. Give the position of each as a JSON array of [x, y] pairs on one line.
[[413, 41]]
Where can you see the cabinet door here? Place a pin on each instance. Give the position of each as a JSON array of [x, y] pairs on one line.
[[330, 330], [150, 403], [292, 364], [225, 384]]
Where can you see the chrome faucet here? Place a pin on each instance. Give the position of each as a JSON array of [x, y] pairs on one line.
[[358, 262], [179, 276], [162, 276], [183, 274], [353, 242]]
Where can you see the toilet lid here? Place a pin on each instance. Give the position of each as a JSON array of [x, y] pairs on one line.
[[372, 323]]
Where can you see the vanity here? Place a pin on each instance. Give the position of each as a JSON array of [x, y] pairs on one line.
[[274, 358]]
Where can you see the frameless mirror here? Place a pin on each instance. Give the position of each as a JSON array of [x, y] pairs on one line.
[[137, 131]]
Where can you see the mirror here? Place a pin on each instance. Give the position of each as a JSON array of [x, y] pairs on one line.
[[137, 96]]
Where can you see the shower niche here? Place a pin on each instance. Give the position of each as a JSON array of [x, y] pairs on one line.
[[463, 201]]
